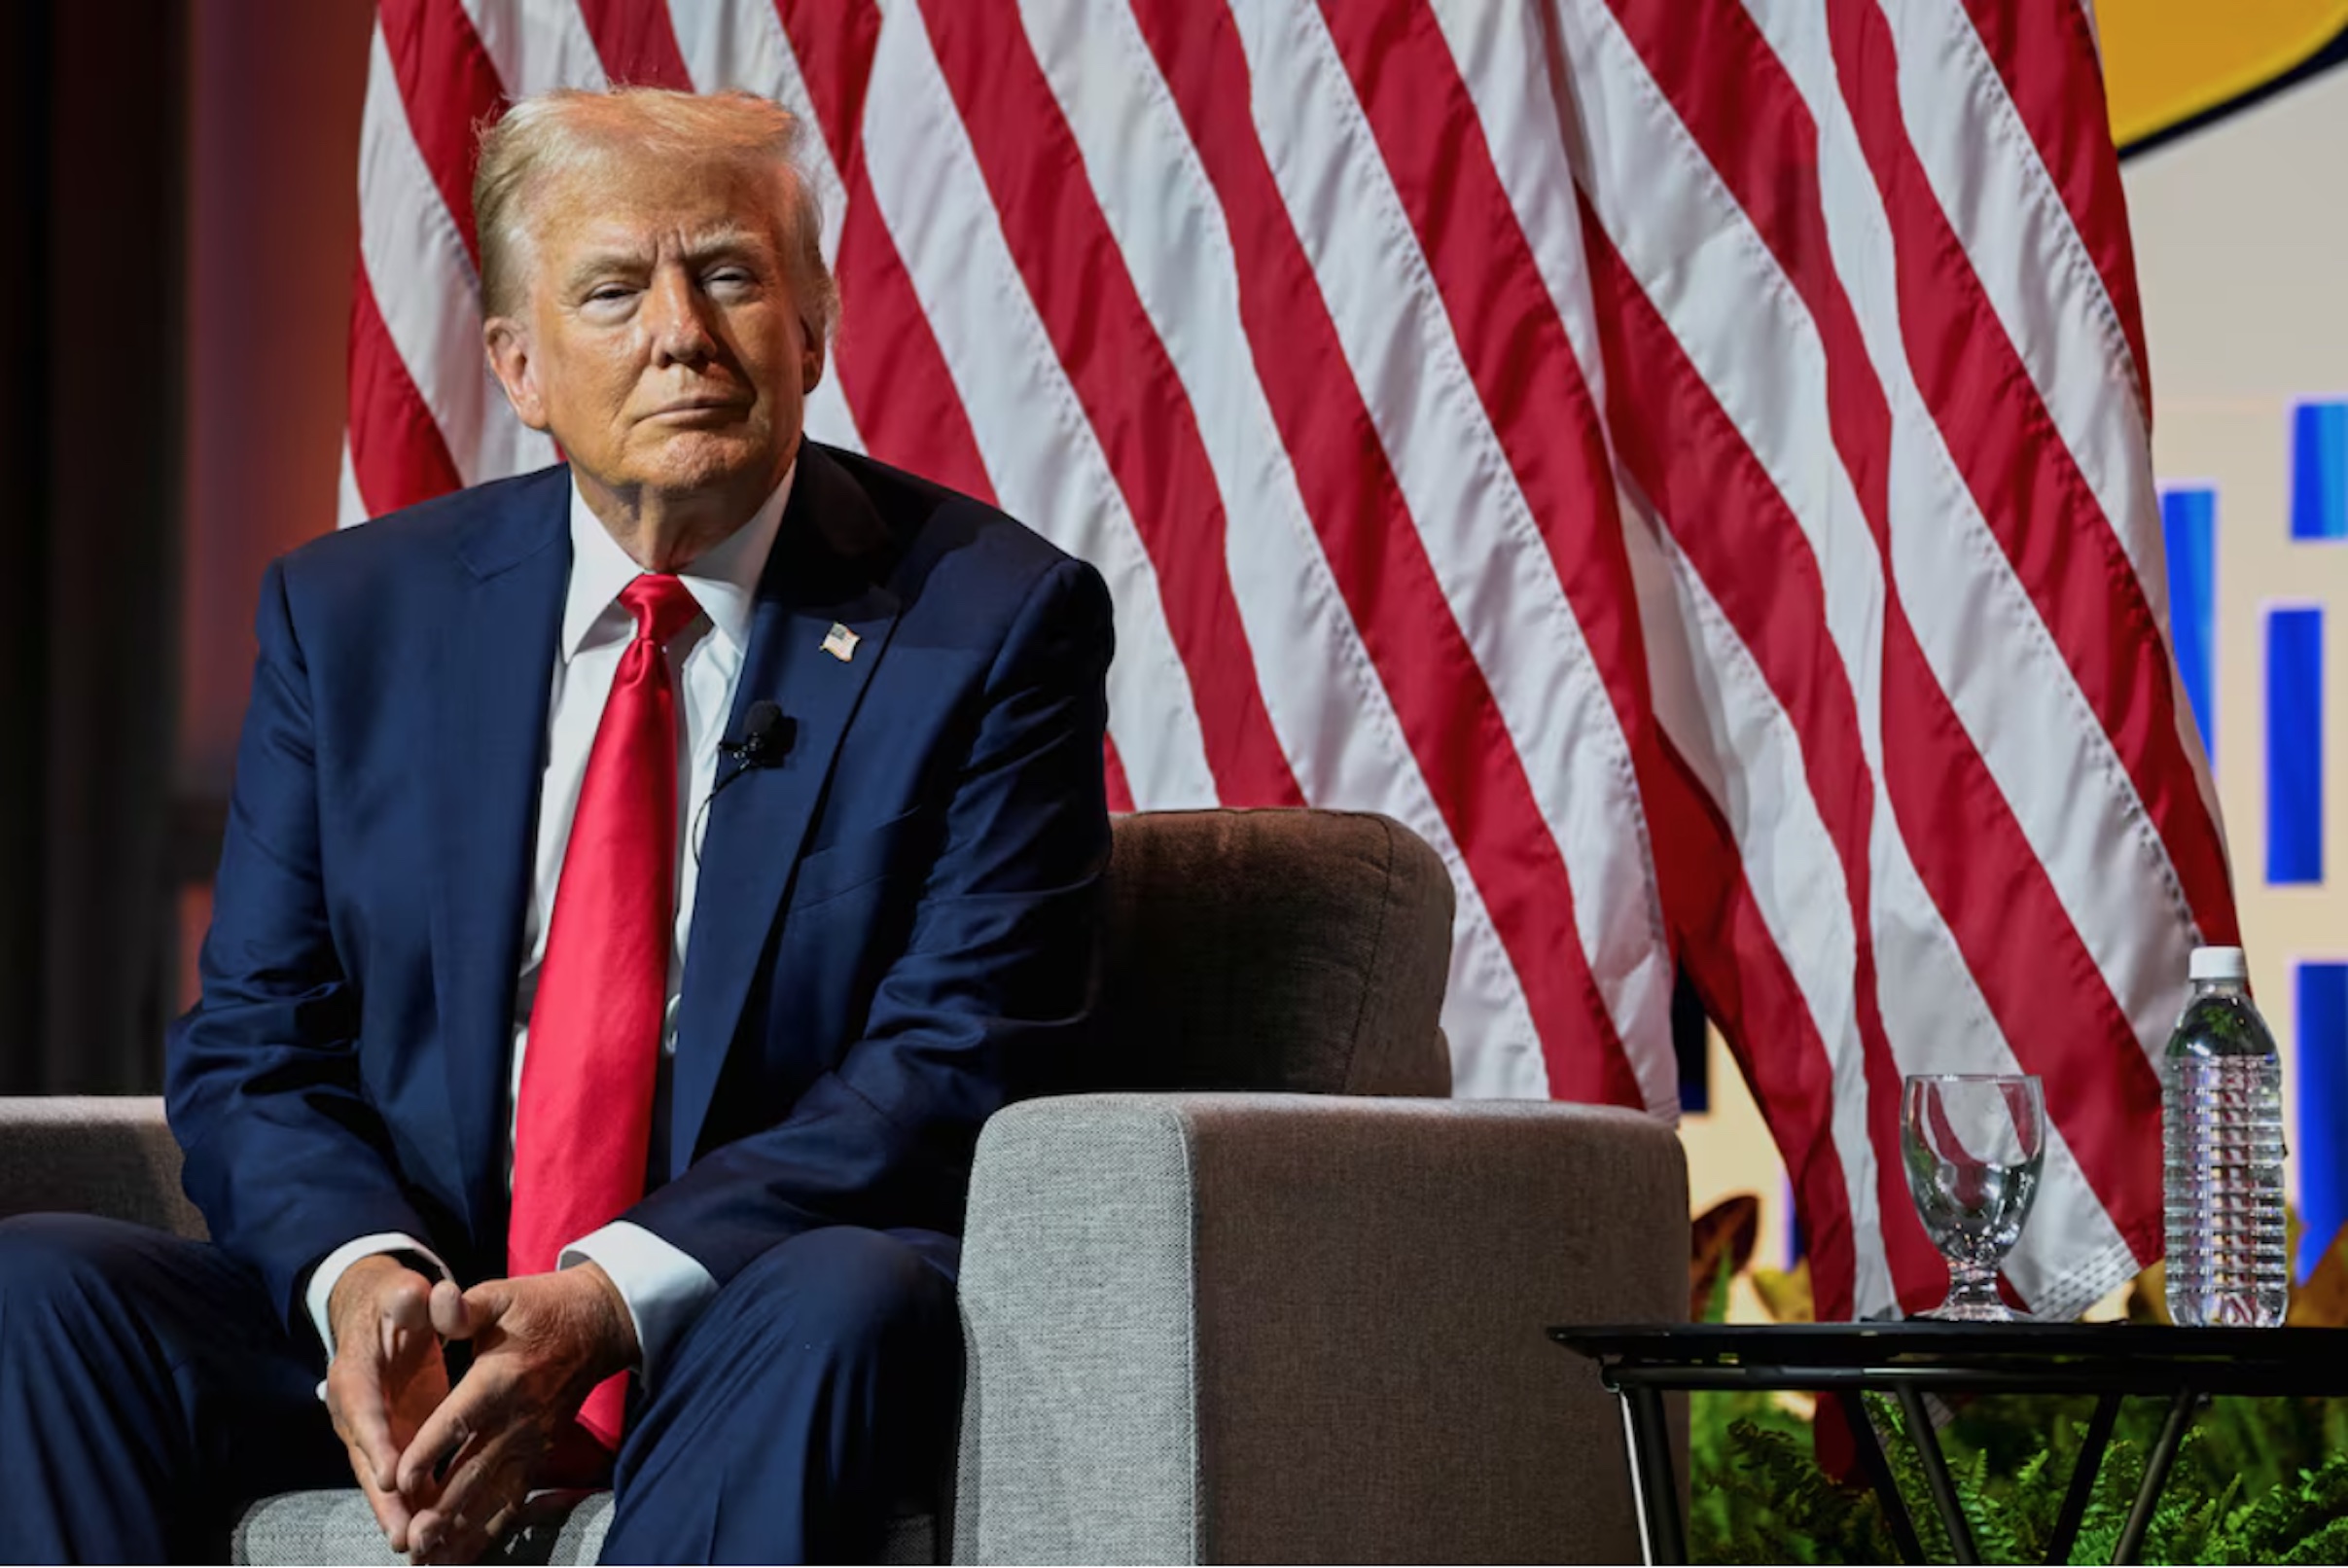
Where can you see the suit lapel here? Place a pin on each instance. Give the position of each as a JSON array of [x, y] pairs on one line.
[[823, 573], [496, 669]]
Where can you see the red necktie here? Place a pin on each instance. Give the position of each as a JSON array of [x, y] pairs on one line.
[[584, 1123]]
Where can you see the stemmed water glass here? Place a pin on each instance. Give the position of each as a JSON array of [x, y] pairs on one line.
[[1972, 1144]]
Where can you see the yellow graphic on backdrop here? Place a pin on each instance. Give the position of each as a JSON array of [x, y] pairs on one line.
[[2167, 60]]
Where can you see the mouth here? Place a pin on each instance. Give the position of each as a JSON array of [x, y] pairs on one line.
[[698, 408]]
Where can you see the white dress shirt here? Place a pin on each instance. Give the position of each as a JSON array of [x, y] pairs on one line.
[[664, 1288]]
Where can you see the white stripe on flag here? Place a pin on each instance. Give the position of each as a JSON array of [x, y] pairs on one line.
[[1046, 461], [2045, 288], [1744, 751], [537, 45], [740, 44], [425, 286], [1480, 537], [1336, 722]]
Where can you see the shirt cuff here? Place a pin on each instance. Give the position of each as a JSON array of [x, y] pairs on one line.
[[330, 1269], [664, 1287]]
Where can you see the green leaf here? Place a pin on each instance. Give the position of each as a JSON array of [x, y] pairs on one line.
[[2253, 1481]]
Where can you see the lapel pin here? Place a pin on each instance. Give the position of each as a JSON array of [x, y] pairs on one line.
[[840, 643]]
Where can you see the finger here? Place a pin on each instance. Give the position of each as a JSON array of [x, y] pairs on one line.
[[466, 1538], [480, 1487], [406, 1317], [356, 1382], [354, 1398], [450, 1318], [476, 1405], [390, 1509], [485, 1305]]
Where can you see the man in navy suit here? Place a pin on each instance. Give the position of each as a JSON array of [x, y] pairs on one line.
[[644, 877]]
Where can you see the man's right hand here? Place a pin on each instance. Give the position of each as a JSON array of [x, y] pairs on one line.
[[386, 1379]]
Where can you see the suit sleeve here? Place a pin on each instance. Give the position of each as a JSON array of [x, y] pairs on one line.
[[993, 992], [286, 1158]]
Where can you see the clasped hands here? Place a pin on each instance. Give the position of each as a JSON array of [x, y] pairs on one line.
[[447, 1470]]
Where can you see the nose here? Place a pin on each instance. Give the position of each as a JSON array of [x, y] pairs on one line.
[[672, 316]]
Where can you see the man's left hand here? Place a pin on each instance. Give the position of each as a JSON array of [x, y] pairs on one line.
[[540, 1344]]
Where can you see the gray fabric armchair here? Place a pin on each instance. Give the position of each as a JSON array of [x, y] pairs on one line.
[[1264, 1294]]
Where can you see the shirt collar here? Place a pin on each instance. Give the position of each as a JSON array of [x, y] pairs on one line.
[[722, 580]]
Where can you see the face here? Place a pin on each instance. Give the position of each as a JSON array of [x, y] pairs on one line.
[[659, 342]]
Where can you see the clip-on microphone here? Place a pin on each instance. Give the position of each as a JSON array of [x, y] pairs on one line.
[[766, 737]]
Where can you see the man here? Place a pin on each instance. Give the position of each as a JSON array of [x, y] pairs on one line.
[[643, 879]]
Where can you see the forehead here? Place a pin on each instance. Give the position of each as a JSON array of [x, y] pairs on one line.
[[628, 199]]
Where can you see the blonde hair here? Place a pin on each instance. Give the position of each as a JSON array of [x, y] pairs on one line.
[[561, 132]]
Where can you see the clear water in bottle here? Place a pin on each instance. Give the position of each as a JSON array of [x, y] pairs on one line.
[[2221, 1116]]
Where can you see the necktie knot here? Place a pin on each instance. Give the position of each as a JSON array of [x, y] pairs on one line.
[[661, 604]]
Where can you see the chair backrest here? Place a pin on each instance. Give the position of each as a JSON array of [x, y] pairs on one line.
[[1291, 950], [107, 1154]]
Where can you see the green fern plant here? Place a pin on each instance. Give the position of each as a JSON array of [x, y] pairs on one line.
[[1759, 1496], [2255, 1481]]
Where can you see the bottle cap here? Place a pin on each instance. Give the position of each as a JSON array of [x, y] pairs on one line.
[[2220, 964]]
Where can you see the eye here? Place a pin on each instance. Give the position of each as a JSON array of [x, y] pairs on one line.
[[606, 293], [730, 279]]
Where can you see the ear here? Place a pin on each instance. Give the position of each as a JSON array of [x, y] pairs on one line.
[[507, 342], [811, 363]]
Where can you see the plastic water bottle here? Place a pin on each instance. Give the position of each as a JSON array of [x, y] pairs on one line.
[[2221, 1116]]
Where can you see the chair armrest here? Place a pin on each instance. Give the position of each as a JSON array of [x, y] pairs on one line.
[[108, 1154], [1299, 1329]]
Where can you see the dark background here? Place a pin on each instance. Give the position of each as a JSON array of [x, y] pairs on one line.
[[182, 175]]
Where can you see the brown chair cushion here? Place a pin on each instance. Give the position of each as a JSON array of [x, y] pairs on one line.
[[1290, 950]]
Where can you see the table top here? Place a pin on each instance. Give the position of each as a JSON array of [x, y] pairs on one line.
[[2048, 1357]]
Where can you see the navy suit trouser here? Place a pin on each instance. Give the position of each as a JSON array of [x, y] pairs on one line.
[[148, 1393]]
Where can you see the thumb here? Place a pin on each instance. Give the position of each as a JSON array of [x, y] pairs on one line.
[[453, 1317], [479, 1308]]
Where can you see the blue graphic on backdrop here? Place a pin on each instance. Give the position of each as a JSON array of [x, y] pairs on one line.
[[2188, 525], [2294, 744], [2318, 471], [2320, 1145]]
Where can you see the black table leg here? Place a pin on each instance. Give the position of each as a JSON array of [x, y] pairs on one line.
[[1661, 1530], [2156, 1475], [1879, 1473], [1935, 1475], [2083, 1477]]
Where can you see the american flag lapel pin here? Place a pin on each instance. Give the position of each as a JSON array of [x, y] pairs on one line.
[[840, 643]]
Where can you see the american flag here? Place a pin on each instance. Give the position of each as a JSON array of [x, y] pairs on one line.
[[1686, 458]]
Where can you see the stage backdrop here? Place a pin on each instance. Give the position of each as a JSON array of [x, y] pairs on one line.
[[1687, 458]]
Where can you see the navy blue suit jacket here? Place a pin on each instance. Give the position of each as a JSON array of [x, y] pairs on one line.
[[893, 932]]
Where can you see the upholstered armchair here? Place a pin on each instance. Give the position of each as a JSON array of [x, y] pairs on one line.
[[1262, 1293]]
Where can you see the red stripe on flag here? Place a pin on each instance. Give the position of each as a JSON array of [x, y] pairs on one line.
[[1446, 708], [1113, 782], [1734, 962], [2037, 977], [636, 42], [450, 90], [890, 366], [2049, 996], [1131, 395], [1686, 454], [397, 454], [834, 41], [2045, 989], [2046, 53], [1506, 323], [2025, 481]]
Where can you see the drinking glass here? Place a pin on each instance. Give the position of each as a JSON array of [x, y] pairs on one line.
[[1972, 1144]]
